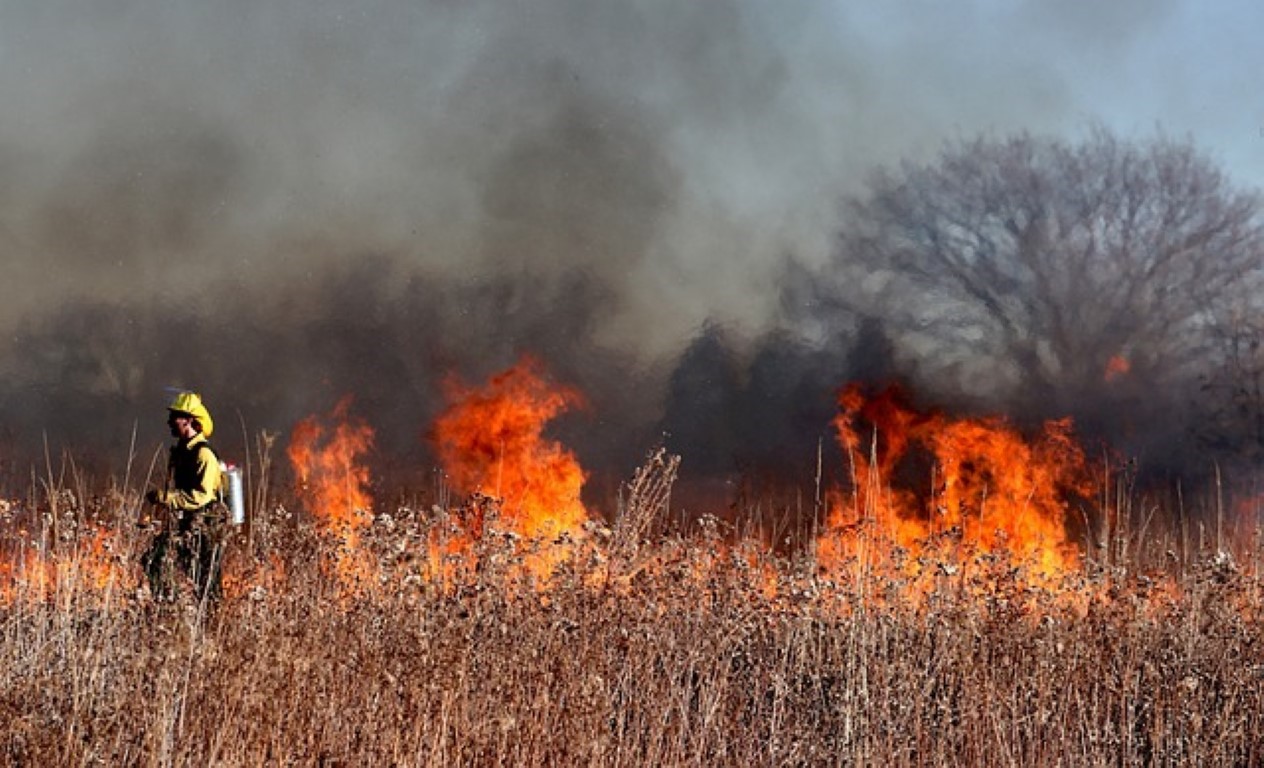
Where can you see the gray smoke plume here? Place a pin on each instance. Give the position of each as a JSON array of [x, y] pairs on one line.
[[281, 203]]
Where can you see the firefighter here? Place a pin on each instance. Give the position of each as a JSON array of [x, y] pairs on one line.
[[190, 516]]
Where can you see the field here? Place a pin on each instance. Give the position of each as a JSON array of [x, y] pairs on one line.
[[677, 650], [1017, 615]]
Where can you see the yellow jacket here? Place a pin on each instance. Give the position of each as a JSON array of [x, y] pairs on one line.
[[192, 475]]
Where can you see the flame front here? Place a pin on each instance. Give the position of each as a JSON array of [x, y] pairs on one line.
[[992, 493], [333, 480], [89, 566], [932, 498], [491, 440]]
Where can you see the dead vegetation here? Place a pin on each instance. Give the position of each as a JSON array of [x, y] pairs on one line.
[[639, 648]]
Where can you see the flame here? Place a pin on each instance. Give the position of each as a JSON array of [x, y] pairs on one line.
[[333, 481], [90, 568], [1117, 367], [992, 494], [243, 577], [491, 440]]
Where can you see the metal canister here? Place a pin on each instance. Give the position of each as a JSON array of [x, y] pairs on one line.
[[234, 496]]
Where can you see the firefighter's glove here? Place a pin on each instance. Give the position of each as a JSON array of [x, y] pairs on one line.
[[156, 496]]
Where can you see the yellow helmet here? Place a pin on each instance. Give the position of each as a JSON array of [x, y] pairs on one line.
[[190, 403]]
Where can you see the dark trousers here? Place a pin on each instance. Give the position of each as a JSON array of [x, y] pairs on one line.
[[190, 544]]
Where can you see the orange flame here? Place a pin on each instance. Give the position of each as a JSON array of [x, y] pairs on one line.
[[91, 568], [491, 440], [992, 492], [1117, 367], [333, 480]]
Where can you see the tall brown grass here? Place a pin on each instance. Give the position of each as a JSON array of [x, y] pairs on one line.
[[645, 648]]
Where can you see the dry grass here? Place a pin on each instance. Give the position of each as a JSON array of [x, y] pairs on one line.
[[641, 651]]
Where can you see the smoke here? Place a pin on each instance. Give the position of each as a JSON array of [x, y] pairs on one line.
[[676, 150], [279, 203], [468, 138]]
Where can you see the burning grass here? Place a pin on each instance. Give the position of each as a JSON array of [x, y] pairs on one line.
[[960, 626], [687, 648]]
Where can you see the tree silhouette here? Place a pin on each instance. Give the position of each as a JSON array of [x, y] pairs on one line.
[[1059, 277]]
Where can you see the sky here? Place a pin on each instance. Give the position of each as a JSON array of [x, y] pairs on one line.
[[669, 157]]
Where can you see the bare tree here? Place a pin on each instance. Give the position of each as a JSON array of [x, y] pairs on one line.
[[1232, 391], [1053, 271]]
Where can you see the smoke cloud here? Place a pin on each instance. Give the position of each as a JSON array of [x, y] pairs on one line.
[[277, 204]]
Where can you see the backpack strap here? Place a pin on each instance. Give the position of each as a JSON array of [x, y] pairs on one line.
[[219, 491]]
